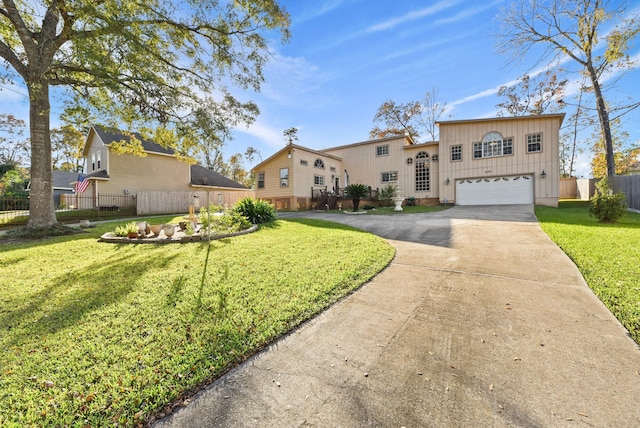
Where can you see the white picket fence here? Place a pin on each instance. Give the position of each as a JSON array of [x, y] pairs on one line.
[[160, 202]]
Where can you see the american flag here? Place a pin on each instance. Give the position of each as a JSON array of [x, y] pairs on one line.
[[81, 184]]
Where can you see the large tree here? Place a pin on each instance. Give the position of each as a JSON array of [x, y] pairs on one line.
[[626, 153], [67, 143], [574, 29], [533, 95], [145, 62], [398, 118], [411, 119], [431, 111], [212, 127], [14, 146]]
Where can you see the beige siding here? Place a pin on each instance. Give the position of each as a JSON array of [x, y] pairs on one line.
[[96, 148], [304, 175], [465, 133], [271, 169], [410, 177], [364, 166], [153, 172]]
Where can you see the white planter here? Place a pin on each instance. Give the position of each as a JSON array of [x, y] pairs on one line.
[[397, 200]]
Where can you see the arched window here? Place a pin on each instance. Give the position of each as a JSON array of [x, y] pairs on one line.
[[319, 163], [492, 144], [423, 181]]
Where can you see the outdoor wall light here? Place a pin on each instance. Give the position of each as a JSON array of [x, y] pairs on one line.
[[447, 181], [543, 174], [126, 191], [289, 154]]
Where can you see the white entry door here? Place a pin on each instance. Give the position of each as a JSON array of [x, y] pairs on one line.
[[505, 190]]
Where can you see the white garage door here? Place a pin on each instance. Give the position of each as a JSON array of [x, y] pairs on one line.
[[505, 190]]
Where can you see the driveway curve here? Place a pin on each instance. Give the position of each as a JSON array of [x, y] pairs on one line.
[[480, 320]]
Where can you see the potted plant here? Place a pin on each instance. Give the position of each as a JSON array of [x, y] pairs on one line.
[[130, 230]]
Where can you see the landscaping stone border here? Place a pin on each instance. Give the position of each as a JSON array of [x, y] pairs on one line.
[[179, 237]]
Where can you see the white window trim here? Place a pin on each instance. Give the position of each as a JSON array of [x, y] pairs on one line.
[[391, 175], [458, 153], [382, 150], [541, 139]]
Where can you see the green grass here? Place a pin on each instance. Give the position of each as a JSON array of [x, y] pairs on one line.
[[8, 219], [608, 255], [96, 334]]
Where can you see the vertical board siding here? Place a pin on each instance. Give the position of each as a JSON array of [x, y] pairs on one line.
[[465, 133]]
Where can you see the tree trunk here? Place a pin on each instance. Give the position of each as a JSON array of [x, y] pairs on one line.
[[42, 212], [603, 116]]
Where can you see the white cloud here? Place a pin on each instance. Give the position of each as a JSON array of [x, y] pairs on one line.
[[466, 13], [266, 134], [411, 16], [318, 9], [291, 80]]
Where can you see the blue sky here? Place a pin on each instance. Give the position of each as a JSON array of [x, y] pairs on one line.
[[346, 57]]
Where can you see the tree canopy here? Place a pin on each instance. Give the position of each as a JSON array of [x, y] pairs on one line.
[[411, 119], [130, 64], [574, 30], [533, 95]]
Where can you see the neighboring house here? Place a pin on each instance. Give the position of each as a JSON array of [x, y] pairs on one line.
[[63, 183], [503, 160], [119, 177]]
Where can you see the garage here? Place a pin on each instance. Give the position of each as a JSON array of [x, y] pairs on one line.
[[504, 190]]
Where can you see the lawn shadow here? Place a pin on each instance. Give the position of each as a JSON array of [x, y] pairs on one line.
[[57, 306]]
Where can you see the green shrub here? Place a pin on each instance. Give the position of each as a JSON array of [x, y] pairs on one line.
[[204, 215], [605, 205], [386, 193], [223, 223], [229, 222], [256, 210]]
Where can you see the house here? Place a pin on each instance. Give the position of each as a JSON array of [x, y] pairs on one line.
[[502, 160], [63, 184], [117, 178]]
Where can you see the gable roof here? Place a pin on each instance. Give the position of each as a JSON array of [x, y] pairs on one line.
[[201, 176], [374, 141], [559, 116], [64, 179], [109, 136], [296, 147]]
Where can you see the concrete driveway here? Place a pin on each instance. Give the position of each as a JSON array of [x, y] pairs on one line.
[[480, 320]]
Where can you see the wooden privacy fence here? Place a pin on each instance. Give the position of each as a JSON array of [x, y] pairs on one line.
[[160, 202], [630, 186], [568, 188]]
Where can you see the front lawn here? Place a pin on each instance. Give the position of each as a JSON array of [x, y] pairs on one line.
[[96, 334], [608, 255]]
